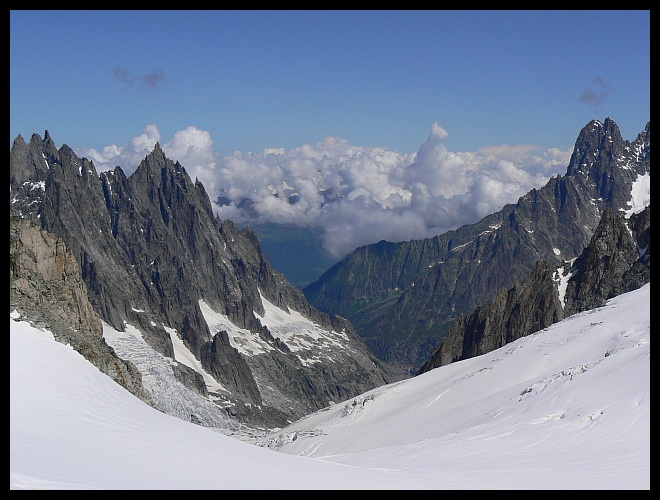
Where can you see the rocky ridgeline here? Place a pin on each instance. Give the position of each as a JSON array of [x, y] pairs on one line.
[[149, 250], [404, 297], [617, 260]]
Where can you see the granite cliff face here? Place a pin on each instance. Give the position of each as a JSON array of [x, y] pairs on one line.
[[404, 297], [46, 289], [154, 257], [617, 260]]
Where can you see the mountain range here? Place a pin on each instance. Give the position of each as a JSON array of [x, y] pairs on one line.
[[404, 297], [617, 260], [186, 312], [198, 290]]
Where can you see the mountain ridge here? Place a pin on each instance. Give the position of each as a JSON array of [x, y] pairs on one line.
[[150, 250], [617, 260], [404, 297]]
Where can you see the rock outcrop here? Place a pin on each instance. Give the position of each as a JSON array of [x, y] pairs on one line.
[[617, 260], [46, 289]]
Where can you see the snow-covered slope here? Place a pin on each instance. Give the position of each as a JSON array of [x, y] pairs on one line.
[[565, 408], [569, 405]]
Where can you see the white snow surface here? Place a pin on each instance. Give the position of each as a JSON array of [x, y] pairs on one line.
[[243, 340], [299, 333], [565, 408], [302, 336], [160, 383], [562, 281], [640, 195]]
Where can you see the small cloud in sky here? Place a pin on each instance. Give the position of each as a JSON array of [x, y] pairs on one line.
[[596, 95], [357, 195], [150, 81]]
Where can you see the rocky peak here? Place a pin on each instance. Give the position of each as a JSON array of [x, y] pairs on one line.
[[641, 146], [596, 142], [28, 171], [50, 149], [19, 142], [404, 300], [612, 132], [157, 157], [645, 135], [153, 256], [151, 165]]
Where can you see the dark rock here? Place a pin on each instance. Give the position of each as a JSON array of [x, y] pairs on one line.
[[617, 260], [530, 306], [614, 262], [150, 250]]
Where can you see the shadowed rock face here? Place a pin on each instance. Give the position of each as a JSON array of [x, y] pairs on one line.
[[617, 260], [150, 250], [530, 306], [404, 297]]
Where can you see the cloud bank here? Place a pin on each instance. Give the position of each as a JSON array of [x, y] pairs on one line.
[[356, 195]]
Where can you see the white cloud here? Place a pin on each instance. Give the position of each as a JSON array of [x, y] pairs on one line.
[[357, 195], [348, 225], [193, 148], [146, 140], [128, 156]]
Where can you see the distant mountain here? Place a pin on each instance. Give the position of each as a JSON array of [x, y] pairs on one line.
[[617, 260], [295, 251], [198, 290], [404, 297]]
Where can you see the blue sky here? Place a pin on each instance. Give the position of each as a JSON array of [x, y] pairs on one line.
[[261, 79], [369, 125]]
